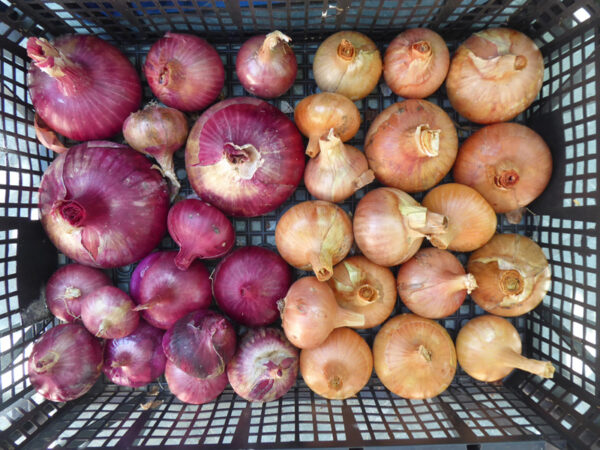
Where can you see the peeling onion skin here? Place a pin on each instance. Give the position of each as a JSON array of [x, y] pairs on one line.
[[192, 390], [494, 75]]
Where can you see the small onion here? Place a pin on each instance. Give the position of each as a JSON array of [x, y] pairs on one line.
[[109, 313], [193, 390]]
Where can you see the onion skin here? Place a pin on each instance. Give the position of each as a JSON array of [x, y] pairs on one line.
[[494, 75], [364, 287], [389, 226], [47, 136], [347, 63], [68, 285], [338, 368], [65, 362], [86, 192], [109, 313], [414, 357], [416, 63], [193, 390], [264, 367], [139, 273], [247, 284], [471, 220], [244, 156], [512, 273], [433, 283], [314, 235], [489, 348], [184, 71]]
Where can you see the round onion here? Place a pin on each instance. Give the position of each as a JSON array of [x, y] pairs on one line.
[[244, 156], [184, 71], [65, 362], [416, 63], [87, 192], [264, 367], [193, 390], [495, 75], [139, 273], [81, 86], [109, 313], [411, 145], [247, 284]]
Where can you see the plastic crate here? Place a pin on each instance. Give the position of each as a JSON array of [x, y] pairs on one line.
[[522, 412]]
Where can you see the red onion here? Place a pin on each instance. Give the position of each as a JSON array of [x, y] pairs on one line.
[[266, 65], [46, 136], [103, 205], [138, 275], [166, 294], [189, 389], [65, 362], [244, 156], [200, 230], [109, 313], [247, 284], [264, 367], [68, 285], [82, 86], [184, 71], [201, 343]]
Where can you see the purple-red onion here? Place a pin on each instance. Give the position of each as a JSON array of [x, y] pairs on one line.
[[139, 273], [65, 362], [184, 71], [109, 313], [47, 136], [82, 86], [189, 389], [266, 65], [264, 367], [244, 156], [247, 284]]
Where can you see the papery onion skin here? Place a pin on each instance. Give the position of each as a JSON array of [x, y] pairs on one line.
[[193, 390], [433, 283], [512, 274], [247, 284], [47, 136], [82, 86], [65, 362], [244, 156], [109, 313], [264, 367], [415, 63], [338, 368], [414, 357], [314, 235], [184, 71], [494, 75], [68, 285], [87, 192]]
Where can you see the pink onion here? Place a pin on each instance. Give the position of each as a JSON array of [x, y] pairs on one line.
[[247, 284], [201, 343], [244, 156], [184, 71], [264, 367], [109, 313], [200, 230], [166, 294], [266, 65], [65, 362], [82, 86], [68, 285], [137, 359], [103, 205], [189, 389]]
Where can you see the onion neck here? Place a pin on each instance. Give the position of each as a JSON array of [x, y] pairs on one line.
[[71, 293], [506, 179], [510, 358], [322, 265], [421, 50], [346, 50], [46, 363], [272, 40], [71, 211], [444, 239], [244, 159], [424, 222], [427, 141], [363, 292], [459, 283], [512, 285], [331, 146], [424, 353], [347, 318], [167, 169], [170, 74], [335, 373]]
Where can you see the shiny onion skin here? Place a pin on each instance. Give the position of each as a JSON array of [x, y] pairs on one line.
[[244, 156], [266, 65], [364, 287], [314, 235], [81, 86], [416, 63], [338, 368], [193, 390], [414, 357], [512, 274], [389, 226], [138, 274], [471, 220], [411, 145], [489, 348], [433, 283], [508, 163], [348, 63], [184, 71], [109, 313], [494, 75], [87, 192]]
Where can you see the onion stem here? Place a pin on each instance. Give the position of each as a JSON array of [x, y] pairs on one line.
[[270, 43], [423, 221], [71, 292], [513, 359], [421, 49], [346, 50], [72, 211], [506, 179], [427, 140], [47, 362], [345, 317], [245, 159], [425, 353]]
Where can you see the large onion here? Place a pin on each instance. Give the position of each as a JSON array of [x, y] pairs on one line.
[[193, 390], [109, 313]]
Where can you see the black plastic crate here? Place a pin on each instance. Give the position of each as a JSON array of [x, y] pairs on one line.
[[523, 412]]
